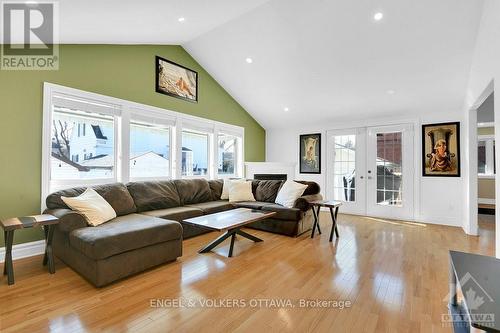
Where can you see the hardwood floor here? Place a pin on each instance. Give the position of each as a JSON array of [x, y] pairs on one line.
[[394, 273]]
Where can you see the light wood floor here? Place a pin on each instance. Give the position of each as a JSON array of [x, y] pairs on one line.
[[394, 273]]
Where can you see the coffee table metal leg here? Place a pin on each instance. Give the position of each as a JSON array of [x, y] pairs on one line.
[[9, 269], [233, 238], [246, 235], [215, 242]]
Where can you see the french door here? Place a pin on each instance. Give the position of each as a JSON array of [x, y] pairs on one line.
[[372, 170]]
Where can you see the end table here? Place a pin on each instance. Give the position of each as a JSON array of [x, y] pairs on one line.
[[332, 205], [46, 221]]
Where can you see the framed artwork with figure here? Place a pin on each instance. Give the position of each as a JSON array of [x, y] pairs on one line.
[[176, 80], [441, 150], [310, 153]]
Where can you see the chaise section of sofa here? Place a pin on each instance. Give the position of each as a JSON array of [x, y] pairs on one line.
[[126, 245]]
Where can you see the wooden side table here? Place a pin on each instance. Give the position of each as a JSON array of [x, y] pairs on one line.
[[332, 205], [46, 221]]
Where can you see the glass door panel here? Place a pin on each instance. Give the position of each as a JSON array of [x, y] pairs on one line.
[[346, 156], [390, 171]]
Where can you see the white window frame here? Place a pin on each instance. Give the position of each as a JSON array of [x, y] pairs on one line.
[[124, 112], [238, 167], [489, 170], [155, 117], [202, 131]]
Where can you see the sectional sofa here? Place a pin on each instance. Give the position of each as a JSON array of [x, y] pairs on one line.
[[148, 229]]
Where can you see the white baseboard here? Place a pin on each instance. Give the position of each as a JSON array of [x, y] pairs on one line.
[[24, 250], [486, 201]]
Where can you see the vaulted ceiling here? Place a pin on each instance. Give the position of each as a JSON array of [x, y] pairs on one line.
[[324, 60]]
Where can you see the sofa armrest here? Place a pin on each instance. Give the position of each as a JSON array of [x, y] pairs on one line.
[[69, 220], [303, 203]]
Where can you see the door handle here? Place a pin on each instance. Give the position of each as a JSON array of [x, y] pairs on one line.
[[361, 177]]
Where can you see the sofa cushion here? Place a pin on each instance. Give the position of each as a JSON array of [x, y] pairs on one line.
[[284, 213], [216, 188], [211, 207], [251, 204], [266, 190], [152, 195], [115, 194], [176, 213], [124, 233], [192, 191]]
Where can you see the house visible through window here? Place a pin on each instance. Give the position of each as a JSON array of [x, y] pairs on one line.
[[227, 158], [75, 156], [149, 151], [194, 153]]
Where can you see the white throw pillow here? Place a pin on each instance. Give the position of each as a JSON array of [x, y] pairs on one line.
[[240, 191], [91, 205], [289, 193], [225, 187]]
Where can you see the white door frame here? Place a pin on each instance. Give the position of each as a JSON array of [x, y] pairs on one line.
[[357, 207], [361, 166], [471, 226], [406, 211]]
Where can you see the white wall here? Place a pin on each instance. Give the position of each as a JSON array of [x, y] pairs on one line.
[[485, 69], [438, 200]]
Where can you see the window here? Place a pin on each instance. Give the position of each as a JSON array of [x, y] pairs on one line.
[[486, 155], [194, 153], [74, 156], [227, 159], [91, 139], [149, 150]]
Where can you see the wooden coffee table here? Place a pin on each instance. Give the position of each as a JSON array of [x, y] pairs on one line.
[[230, 221]]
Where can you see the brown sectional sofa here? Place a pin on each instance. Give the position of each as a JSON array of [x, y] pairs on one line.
[[148, 229]]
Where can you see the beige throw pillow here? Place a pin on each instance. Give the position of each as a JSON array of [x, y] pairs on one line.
[[91, 205], [240, 191], [225, 187], [289, 193]]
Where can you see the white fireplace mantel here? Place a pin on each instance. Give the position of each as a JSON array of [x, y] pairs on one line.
[[252, 168]]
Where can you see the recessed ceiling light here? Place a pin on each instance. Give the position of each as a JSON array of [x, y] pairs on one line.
[[378, 16], [391, 92], [181, 19], [249, 60], [286, 109]]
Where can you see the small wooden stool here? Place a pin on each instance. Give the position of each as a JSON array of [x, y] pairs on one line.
[[316, 206], [48, 223]]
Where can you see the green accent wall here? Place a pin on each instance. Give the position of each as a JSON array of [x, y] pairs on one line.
[[122, 71]]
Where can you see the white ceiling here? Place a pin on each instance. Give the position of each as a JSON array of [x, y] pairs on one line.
[[145, 21], [327, 60]]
